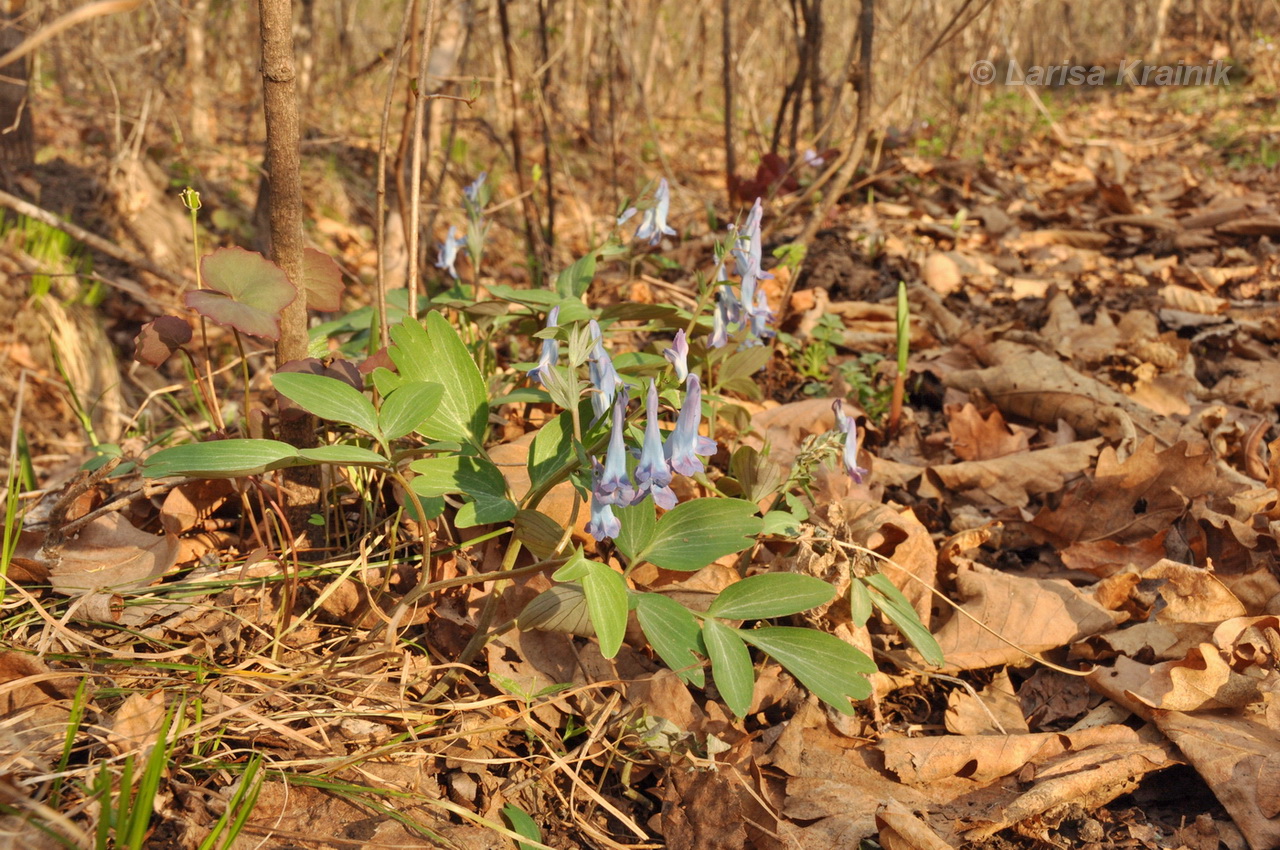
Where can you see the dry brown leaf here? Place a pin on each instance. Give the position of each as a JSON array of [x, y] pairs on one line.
[[1033, 615], [1191, 594], [997, 703], [900, 829], [136, 724], [193, 502], [1201, 681], [1013, 479], [1133, 500], [983, 758], [1031, 385], [1094, 778], [978, 437], [1107, 557], [109, 553], [1239, 758]]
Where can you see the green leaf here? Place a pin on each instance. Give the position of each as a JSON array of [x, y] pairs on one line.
[[571, 309], [637, 523], [607, 601], [328, 398], [743, 365], [859, 603], [551, 450], [245, 291], [437, 355], [221, 459], [770, 595], [826, 665], [408, 407], [473, 477], [781, 524], [345, 456], [562, 608], [521, 823], [886, 596], [574, 280], [675, 635], [730, 665], [695, 533], [538, 532]]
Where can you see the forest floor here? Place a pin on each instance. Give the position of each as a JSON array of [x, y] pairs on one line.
[[1088, 468]]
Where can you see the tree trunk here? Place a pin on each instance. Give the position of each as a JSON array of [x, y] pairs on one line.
[[16, 138]]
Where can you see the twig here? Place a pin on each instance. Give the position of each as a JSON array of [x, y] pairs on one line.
[[93, 240]]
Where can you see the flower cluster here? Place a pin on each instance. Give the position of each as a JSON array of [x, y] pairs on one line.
[[682, 452], [473, 201], [653, 224], [750, 312]]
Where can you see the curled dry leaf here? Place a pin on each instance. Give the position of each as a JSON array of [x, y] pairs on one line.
[[1029, 615]]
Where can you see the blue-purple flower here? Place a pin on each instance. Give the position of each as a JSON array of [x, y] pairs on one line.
[[449, 252], [849, 426], [654, 223], [653, 474], [550, 351], [472, 191], [685, 443], [603, 524], [720, 321], [760, 315], [605, 380], [612, 485], [678, 354]]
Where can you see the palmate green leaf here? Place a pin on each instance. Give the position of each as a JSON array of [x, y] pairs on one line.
[[436, 354], [674, 634], [886, 596], [731, 668], [408, 407], [221, 459], [771, 595], [695, 533], [835, 671], [476, 478], [328, 398]]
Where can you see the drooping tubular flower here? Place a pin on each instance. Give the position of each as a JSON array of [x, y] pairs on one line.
[[719, 321], [613, 486], [472, 191], [605, 380], [653, 474], [603, 524], [678, 354], [550, 351], [685, 443], [849, 426], [760, 316], [449, 252], [653, 226]]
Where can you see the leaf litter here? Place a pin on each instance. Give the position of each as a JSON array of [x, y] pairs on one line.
[[1084, 472]]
